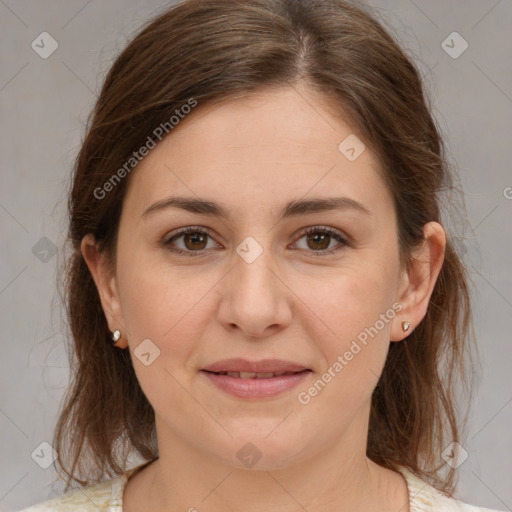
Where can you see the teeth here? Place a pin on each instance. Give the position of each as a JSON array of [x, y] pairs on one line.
[[248, 375], [254, 375]]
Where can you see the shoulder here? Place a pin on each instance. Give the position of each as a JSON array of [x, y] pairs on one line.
[[104, 496], [425, 498]]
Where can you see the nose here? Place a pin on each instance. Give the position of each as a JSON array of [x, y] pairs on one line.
[[255, 297]]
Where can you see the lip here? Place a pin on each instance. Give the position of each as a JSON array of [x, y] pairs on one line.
[[256, 388], [263, 366]]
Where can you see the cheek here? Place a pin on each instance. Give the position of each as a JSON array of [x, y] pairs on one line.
[[349, 301], [173, 308], [351, 326], [165, 308], [158, 301]]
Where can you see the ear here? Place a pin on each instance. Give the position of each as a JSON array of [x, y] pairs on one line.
[[106, 283], [418, 281]]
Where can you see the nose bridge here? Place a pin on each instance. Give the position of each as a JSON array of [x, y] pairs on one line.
[[255, 268], [255, 298]]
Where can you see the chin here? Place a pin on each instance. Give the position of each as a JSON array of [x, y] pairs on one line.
[[265, 452]]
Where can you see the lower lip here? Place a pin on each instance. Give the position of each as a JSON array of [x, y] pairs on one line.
[[256, 388]]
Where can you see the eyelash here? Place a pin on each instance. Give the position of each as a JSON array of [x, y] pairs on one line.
[[314, 229]]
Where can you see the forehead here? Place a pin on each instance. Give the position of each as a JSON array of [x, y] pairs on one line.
[[263, 147]]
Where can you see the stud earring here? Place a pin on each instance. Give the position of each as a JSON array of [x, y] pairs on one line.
[[115, 336], [405, 326]]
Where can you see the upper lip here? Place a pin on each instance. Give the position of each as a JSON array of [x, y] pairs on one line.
[[263, 366]]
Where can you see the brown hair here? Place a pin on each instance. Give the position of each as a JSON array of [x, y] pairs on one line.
[[218, 49]]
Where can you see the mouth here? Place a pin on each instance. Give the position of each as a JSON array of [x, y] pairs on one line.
[[255, 375], [250, 385], [240, 365]]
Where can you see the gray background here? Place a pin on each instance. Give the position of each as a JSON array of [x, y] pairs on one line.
[[43, 107]]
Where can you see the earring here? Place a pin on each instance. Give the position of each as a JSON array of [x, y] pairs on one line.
[[405, 326], [115, 336]]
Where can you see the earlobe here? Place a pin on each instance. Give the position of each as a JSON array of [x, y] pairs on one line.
[[419, 281], [105, 281], [406, 326], [401, 328]]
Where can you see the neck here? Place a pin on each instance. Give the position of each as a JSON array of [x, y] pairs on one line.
[[339, 478]]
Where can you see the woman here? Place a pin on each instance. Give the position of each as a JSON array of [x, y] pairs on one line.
[[255, 219]]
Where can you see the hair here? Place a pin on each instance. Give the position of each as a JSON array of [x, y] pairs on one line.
[[220, 49]]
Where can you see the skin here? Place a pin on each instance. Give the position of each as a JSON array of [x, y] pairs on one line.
[[253, 155]]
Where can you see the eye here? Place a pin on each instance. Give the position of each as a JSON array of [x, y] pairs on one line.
[[195, 241], [319, 238]]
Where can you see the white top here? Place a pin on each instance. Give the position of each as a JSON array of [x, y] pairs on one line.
[[108, 497]]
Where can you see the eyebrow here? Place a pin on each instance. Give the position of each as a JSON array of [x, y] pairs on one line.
[[291, 209]]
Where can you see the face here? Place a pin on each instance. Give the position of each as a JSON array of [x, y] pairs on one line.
[[311, 286]]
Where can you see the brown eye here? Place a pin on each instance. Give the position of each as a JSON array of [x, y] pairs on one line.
[[190, 241], [194, 241], [318, 239]]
